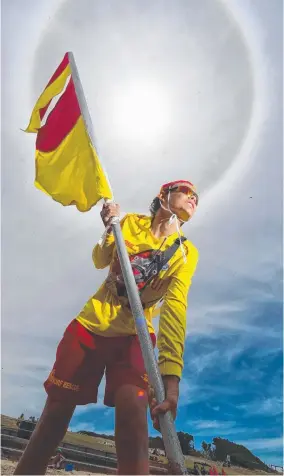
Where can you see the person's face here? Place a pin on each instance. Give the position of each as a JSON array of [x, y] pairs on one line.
[[182, 201]]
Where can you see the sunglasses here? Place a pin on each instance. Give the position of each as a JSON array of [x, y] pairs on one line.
[[184, 189]]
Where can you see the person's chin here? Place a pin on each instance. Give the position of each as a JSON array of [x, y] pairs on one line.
[[189, 211], [185, 214]]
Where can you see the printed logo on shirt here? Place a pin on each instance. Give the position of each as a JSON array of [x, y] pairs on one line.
[[143, 267], [131, 246]]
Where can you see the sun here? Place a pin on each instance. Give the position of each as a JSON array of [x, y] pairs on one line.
[[140, 112]]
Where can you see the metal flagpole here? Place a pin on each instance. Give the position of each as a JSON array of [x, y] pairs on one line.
[[170, 438]]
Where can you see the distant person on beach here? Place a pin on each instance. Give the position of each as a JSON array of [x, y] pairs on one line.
[[58, 460], [196, 469], [21, 418]]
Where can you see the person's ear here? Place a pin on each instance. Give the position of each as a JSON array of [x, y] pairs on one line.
[[162, 197]]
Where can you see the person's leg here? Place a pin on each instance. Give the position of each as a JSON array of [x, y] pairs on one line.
[[131, 431], [127, 391], [49, 432], [75, 378]]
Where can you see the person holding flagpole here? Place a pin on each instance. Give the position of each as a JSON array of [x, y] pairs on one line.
[[102, 339], [151, 265]]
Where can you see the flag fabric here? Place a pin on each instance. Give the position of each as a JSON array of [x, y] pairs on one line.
[[67, 165]]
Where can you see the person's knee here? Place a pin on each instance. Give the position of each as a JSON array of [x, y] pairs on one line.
[[132, 398], [131, 432], [131, 408]]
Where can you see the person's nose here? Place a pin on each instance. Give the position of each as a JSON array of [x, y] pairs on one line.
[[193, 199]]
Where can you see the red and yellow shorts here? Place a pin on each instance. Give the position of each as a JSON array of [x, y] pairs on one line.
[[82, 358]]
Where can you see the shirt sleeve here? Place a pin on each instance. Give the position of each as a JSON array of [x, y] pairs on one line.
[[172, 328], [102, 254]]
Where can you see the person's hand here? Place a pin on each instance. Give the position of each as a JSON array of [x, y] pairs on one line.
[[109, 211], [171, 384]]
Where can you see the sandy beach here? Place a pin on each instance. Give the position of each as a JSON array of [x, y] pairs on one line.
[[8, 467]]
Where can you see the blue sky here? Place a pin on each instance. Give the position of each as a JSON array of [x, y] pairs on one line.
[[214, 89]]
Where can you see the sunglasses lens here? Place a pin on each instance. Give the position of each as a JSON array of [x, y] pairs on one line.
[[184, 189], [189, 192]]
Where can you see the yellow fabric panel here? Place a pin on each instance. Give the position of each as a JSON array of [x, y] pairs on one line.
[[72, 174], [50, 92], [107, 314]]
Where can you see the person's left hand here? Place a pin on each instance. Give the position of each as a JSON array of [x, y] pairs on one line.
[[171, 383]]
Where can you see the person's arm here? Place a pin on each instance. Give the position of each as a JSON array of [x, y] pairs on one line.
[[172, 328], [171, 336], [102, 253]]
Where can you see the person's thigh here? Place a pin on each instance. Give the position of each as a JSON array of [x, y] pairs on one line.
[[78, 369], [126, 367]]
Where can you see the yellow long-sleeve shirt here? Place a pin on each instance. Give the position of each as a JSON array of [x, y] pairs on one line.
[[108, 314]]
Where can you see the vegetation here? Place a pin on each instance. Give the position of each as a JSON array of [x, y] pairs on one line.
[[96, 435], [156, 442], [239, 454], [186, 442]]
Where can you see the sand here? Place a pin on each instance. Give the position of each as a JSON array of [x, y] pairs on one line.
[[8, 467]]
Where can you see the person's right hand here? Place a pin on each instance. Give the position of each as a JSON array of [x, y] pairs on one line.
[[109, 211], [171, 384]]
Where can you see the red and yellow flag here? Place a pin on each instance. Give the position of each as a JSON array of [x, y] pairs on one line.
[[67, 165]]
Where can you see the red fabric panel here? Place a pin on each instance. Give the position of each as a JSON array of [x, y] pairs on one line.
[[60, 121], [64, 63]]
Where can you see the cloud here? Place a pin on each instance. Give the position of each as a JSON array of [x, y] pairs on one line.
[[90, 427], [201, 362], [267, 407], [229, 428], [262, 444], [206, 424], [82, 410]]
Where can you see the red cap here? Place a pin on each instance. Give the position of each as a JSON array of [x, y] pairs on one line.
[[176, 183]]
